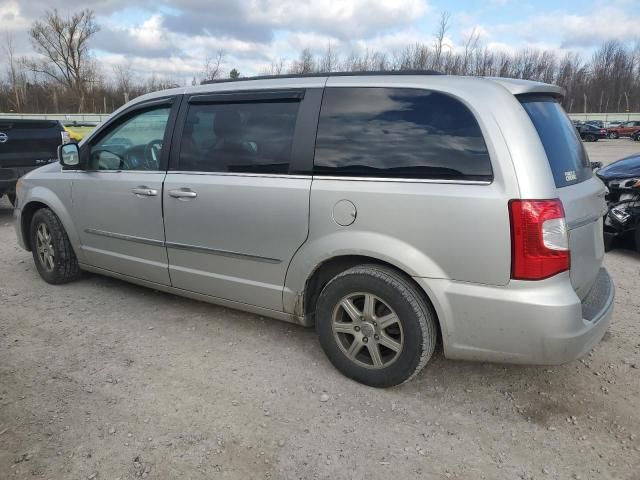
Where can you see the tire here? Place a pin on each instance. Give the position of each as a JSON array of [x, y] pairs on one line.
[[413, 335], [52, 252], [613, 135], [589, 138]]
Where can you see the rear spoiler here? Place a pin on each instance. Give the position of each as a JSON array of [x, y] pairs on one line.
[[527, 87]]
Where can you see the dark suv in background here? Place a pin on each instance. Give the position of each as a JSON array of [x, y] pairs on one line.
[[25, 145]]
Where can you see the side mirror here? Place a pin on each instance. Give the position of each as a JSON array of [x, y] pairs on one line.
[[69, 155]]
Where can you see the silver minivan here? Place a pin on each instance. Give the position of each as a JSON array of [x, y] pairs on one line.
[[392, 211]]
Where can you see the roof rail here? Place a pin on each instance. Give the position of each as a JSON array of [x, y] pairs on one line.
[[325, 74]]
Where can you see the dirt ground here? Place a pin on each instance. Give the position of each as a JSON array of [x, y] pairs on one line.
[[100, 379]]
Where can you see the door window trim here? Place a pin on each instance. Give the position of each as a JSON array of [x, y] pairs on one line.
[[304, 134], [173, 102]]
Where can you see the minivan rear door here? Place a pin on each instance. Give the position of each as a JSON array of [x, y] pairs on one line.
[[581, 193]]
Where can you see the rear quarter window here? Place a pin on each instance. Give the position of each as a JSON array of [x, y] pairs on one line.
[[399, 132], [566, 154]]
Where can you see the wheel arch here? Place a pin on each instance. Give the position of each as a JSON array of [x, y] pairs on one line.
[[332, 266], [42, 198]]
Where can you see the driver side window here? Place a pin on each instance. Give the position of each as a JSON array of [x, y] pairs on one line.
[[135, 144]]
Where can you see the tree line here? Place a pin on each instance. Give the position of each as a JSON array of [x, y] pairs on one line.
[[64, 77]]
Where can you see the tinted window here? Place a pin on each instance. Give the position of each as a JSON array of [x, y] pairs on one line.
[[392, 132], [133, 144], [240, 137], [566, 154]]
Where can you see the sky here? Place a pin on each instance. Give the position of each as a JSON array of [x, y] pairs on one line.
[[171, 38]]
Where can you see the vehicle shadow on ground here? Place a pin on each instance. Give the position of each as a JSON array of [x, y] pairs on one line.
[[441, 378]]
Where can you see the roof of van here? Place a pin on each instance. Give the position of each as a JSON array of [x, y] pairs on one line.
[[317, 80]]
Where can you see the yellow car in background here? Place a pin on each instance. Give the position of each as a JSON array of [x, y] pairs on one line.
[[78, 130]]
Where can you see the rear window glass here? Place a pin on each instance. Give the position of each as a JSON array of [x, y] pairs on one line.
[[398, 132], [566, 154]]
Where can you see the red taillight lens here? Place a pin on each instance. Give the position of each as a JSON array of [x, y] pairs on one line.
[[539, 239]]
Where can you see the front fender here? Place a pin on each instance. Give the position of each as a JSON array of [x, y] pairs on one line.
[[345, 243], [60, 206]]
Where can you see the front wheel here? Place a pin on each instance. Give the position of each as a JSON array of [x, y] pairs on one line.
[[590, 138], [375, 326], [613, 135], [52, 252]]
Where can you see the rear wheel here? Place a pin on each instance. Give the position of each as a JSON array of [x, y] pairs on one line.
[[375, 326], [52, 252], [590, 137]]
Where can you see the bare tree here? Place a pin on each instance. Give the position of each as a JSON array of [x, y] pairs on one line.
[[124, 78], [14, 71], [63, 45], [329, 60], [304, 64], [443, 28], [213, 66]]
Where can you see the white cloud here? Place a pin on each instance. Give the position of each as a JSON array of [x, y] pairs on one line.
[[348, 19], [575, 29], [11, 18]]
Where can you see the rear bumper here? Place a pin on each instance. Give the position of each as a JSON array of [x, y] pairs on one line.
[[537, 323]]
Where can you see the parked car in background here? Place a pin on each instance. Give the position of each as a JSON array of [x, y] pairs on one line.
[[595, 123], [624, 130], [614, 123], [25, 145], [348, 202], [78, 130], [622, 179], [591, 133]]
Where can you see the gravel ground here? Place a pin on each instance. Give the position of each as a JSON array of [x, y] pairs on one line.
[[102, 379]]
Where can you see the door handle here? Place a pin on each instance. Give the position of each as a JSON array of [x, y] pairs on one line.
[[182, 193], [144, 191]]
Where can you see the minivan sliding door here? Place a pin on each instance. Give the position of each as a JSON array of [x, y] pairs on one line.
[[236, 197]]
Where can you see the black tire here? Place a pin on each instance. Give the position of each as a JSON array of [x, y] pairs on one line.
[[65, 264], [416, 318], [589, 138]]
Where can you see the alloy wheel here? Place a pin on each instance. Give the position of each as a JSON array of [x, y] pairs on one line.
[[367, 330], [45, 248]]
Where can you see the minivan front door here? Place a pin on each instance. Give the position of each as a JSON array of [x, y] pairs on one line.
[[236, 210], [117, 201]]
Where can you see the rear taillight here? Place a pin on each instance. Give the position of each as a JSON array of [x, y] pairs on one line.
[[539, 239]]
